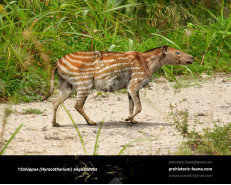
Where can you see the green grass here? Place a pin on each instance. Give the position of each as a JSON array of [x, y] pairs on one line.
[[97, 139], [34, 34], [123, 91], [77, 129], [10, 139], [32, 111], [3, 146], [130, 143]]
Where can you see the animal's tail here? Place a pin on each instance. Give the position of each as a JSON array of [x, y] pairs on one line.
[[51, 85]]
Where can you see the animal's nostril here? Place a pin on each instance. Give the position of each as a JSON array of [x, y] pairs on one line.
[[192, 58]]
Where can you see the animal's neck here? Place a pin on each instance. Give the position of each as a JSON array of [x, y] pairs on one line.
[[153, 60]]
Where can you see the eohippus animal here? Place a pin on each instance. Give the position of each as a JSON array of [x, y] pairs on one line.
[[110, 71]]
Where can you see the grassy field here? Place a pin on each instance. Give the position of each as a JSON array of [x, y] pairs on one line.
[[35, 33]]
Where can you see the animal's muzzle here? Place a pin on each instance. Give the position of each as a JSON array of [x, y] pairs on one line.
[[190, 61]]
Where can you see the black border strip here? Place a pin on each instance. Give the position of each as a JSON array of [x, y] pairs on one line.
[[115, 169]]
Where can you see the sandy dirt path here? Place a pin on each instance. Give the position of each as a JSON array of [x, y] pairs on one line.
[[209, 102]]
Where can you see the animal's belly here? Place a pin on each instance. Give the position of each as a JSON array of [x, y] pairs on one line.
[[113, 83]]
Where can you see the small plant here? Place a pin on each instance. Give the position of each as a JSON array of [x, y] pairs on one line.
[[218, 140], [215, 141], [180, 119], [32, 111]]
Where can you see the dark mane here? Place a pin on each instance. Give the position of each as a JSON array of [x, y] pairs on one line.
[[152, 49]]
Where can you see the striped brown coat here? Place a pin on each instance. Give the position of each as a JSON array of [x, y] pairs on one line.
[[110, 71]]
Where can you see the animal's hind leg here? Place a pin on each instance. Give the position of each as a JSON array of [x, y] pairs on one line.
[[81, 98], [131, 108], [65, 91]]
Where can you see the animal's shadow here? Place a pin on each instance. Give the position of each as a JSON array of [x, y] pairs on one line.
[[116, 124]]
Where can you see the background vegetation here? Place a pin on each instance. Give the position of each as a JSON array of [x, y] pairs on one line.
[[34, 33]]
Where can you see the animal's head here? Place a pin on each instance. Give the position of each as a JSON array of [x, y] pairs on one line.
[[172, 56]]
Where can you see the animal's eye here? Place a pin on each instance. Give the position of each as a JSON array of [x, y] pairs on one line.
[[177, 53]]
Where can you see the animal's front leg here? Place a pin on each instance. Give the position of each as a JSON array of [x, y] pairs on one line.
[[131, 108], [136, 100], [81, 98]]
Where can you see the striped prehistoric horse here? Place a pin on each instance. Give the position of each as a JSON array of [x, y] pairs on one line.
[[110, 71]]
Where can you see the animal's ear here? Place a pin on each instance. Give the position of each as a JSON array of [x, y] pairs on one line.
[[165, 49]]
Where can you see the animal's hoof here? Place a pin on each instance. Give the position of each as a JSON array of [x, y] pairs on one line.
[[128, 119], [91, 123], [133, 121], [55, 124]]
